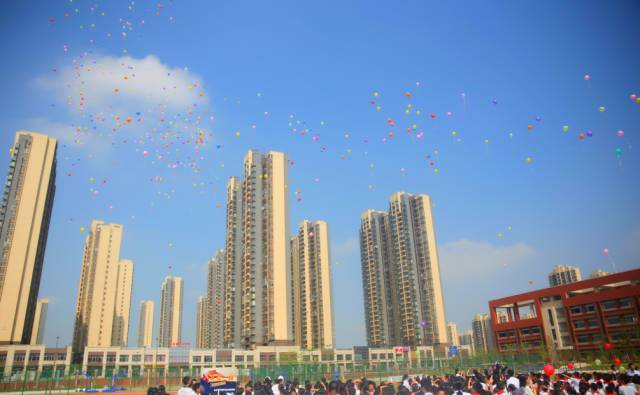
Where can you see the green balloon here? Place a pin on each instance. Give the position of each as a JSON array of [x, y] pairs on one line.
[[598, 362], [622, 369]]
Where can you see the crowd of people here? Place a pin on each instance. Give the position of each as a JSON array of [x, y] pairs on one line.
[[498, 380]]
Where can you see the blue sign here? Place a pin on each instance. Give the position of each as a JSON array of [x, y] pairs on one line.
[[453, 351]]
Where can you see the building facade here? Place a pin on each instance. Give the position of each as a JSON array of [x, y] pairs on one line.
[[312, 308], [483, 339], [452, 334], [215, 304], [466, 339], [258, 307], [39, 321], [562, 274], [378, 279], [170, 312], [599, 273], [401, 274], [201, 324], [25, 214], [104, 291], [232, 300], [580, 316], [145, 324]]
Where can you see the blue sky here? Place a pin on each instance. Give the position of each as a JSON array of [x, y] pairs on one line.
[[206, 81]]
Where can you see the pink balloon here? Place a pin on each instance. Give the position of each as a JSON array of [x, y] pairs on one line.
[[605, 251], [620, 133], [633, 96], [587, 77]]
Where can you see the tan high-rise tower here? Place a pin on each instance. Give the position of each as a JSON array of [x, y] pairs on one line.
[[214, 319], [452, 333], [378, 279], [104, 292], [145, 324], [312, 308], [257, 251], [39, 322], [401, 274], [170, 311], [120, 335], [25, 213], [232, 331], [201, 324]]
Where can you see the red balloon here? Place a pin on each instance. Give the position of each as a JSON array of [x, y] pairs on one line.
[[570, 365], [617, 361], [549, 370], [607, 346]]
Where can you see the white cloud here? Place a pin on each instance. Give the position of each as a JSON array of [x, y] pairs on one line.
[[469, 258], [124, 83]]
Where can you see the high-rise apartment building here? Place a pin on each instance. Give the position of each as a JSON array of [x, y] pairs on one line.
[[214, 317], [599, 273], [25, 213], [104, 292], [258, 307], [483, 339], [312, 314], [201, 325], [145, 324], [466, 339], [170, 311], [39, 321], [120, 335], [401, 274], [452, 333], [378, 279], [232, 301], [562, 275]]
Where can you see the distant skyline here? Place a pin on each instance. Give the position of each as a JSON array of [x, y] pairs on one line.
[[155, 105]]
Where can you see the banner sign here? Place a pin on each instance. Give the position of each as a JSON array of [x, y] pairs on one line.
[[221, 381], [401, 350]]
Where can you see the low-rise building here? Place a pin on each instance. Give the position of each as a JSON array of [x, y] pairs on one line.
[[582, 315]]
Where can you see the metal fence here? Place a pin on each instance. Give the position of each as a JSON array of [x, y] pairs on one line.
[[134, 381]]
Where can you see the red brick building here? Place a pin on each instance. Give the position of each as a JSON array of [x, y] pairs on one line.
[[579, 316]]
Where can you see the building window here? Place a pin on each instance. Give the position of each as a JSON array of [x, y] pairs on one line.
[[124, 358], [49, 356], [249, 358], [136, 358], [62, 356], [582, 338], [196, 358], [160, 358], [95, 358], [148, 358], [625, 303], [239, 358], [34, 357], [208, 358], [609, 305], [111, 358], [579, 324]]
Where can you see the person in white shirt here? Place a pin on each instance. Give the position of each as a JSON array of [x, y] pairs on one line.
[[276, 386], [187, 382], [512, 380]]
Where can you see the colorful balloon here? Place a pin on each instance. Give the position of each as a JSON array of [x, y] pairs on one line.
[[633, 96], [602, 109], [587, 77], [529, 160], [607, 346], [589, 133], [618, 152], [617, 362], [581, 136], [598, 362], [565, 128], [570, 366], [549, 369], [620, 133]]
